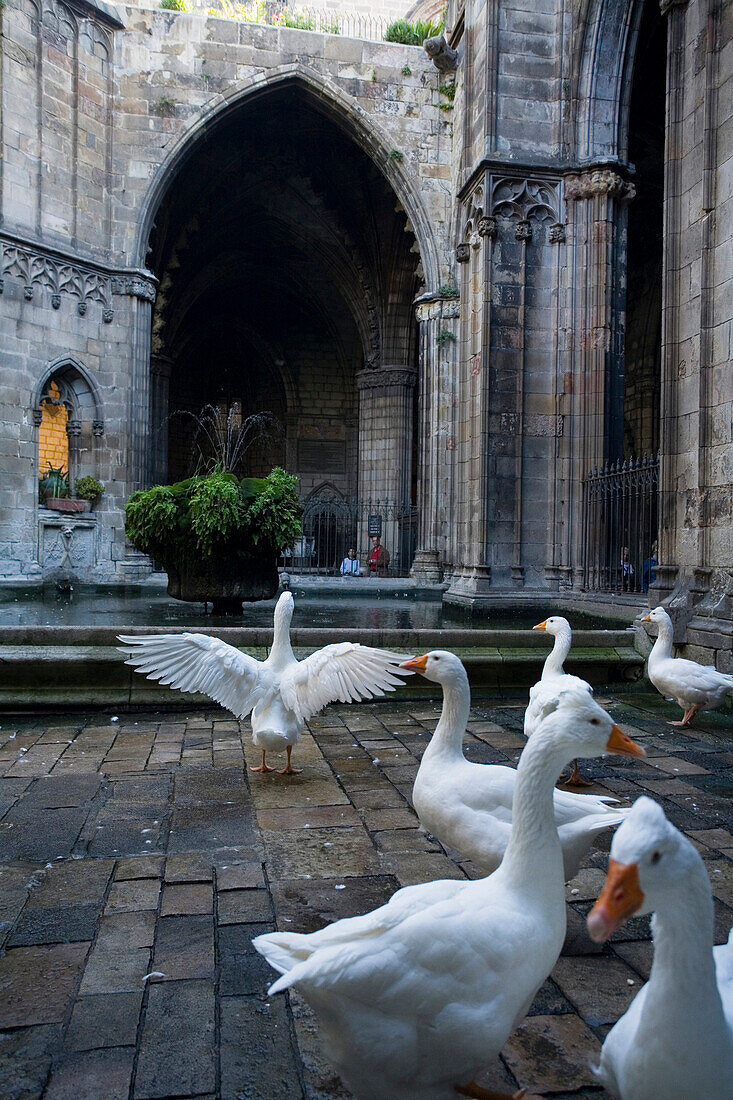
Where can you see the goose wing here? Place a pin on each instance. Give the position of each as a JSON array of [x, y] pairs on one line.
[[196, 662], [343, 672]]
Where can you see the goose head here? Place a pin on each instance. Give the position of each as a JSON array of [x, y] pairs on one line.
[[657, 615], [649, 860], [556, 624], [578, 726], [440, 666]]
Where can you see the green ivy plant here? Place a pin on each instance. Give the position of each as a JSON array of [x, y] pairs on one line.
[[174, 5]]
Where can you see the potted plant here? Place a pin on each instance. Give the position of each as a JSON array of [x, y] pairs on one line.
[[88, 489], [53, 492], [217, 535]]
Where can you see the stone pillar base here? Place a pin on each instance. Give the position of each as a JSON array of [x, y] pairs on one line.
[[518, 576], [470, 583], [134, 567], [663, 585], [426, 567], [553, 575]]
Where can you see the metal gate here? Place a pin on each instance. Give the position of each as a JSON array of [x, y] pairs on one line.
[[620, 520], [332, 523]]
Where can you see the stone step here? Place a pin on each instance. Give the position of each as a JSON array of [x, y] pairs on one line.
[[79, 675]]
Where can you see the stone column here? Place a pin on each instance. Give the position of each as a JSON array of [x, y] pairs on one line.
[[141, 290], [160, 376], [472, 577], [385, 447], [437, 319], [596, 200]]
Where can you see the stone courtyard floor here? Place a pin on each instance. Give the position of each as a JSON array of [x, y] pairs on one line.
[[138, 859]]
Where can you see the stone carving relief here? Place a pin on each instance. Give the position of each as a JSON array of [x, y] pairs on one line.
[[598, 181], [59, 25], [516, 198], [67, 546], [38, 270], [386, 376]]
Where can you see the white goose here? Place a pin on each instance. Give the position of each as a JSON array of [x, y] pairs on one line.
[[695, 687], [281, 692], [676, 1039], [416, 997], [468, 806], [553, 680]]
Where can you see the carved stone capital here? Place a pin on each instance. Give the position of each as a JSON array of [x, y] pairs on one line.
[[487, 227], [437, 307], [135, 286], [665, 6], [463, 253], [523, 230], [37, 415], [598, 181], [73, 428], [98, 427], [557, 233], [386, 377]]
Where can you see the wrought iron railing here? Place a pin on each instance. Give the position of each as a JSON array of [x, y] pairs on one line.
[[620, 503], [333, 523], [350, 22]]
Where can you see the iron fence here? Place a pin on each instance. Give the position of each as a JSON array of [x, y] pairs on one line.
[[333, 523], [347, 22], [620, 520]]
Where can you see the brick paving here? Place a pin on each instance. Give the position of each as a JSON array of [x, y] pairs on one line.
[[138, 859]]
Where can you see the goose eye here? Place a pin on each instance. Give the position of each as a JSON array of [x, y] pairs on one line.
[[595, 721], [656, 856]]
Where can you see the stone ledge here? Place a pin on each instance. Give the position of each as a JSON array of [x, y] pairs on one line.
[[75, 676]]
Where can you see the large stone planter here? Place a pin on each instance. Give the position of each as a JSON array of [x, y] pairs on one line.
[[225, 583]]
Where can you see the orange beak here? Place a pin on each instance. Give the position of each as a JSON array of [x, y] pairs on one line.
[[416, 664], [620, 743], [646, 619], [540, 626], [620, 898]]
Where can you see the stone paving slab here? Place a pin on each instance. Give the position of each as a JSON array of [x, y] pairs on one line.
[[139, 857]]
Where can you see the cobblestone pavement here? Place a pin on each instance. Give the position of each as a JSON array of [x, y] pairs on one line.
[[138, 859]]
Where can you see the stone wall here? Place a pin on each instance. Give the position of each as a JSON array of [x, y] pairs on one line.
[[99, 105]]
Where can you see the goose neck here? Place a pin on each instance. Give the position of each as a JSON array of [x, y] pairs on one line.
[[683, 939], [534, 847], [555, 659], [282, 650], [448, 735], [663, 645]]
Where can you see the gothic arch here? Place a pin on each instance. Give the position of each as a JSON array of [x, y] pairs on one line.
[[80, 391], [603, 79], [341, 110]]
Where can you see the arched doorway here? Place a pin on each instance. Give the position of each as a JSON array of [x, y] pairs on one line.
[[287, 273]]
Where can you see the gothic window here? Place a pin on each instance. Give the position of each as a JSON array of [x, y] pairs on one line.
[[66, 411]]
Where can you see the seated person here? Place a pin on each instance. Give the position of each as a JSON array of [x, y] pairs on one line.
[[350, 565]]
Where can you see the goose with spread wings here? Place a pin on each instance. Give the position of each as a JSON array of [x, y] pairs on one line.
[[280, 692]]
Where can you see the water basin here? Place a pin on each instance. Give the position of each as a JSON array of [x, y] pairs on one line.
[[358, 609]]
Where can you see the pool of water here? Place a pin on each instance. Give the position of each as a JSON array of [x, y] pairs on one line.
[[405, 612]]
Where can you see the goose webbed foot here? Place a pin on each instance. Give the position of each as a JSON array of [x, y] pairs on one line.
[[289, 769], [574, 779], [479, 1093], [264, 766], [686, 719]]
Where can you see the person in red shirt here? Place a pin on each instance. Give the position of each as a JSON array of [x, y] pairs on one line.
[[378, 559]]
